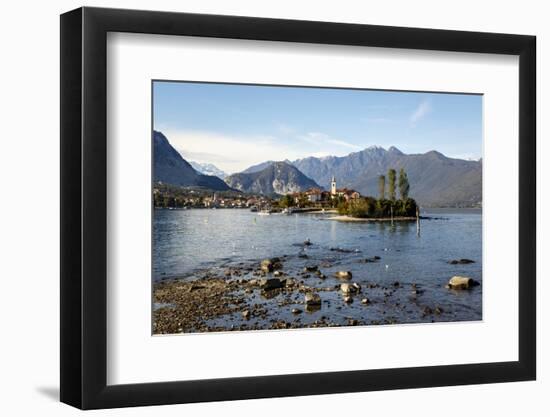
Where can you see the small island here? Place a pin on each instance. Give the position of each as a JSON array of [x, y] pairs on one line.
[[385, 208]]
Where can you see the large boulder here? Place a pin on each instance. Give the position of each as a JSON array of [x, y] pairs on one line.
[[343, 274], [268, 265], [289, 282], [270, 283], [348, 288], [461, 283], [312, 299]]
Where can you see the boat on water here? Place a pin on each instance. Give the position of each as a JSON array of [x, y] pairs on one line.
[[288, 210], [253, 209], [266, 211]]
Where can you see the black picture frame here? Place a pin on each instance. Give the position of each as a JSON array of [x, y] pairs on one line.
[[84, 207]]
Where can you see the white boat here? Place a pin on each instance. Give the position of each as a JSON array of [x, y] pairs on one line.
[[264, 212]]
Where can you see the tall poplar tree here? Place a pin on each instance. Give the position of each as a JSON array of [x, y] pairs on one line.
[[382, 187], [391, 185], [403, 184]]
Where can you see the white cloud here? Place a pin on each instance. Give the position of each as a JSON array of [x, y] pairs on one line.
[[343, 143], [312, 138], [230, 153], [421, 111], [318, 138]]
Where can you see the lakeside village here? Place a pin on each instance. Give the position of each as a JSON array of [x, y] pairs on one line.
[[346, 202]]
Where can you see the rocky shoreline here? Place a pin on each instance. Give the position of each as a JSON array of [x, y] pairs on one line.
[[268, 294]]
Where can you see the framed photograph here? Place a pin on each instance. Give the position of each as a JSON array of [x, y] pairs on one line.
[[259, 208]]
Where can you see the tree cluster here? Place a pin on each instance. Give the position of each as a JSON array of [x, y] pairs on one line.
[[403, 184], [383, 207], [370, 207]]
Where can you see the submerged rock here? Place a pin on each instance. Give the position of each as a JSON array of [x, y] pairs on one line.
[[370, 260], [311, 268], [312, 299], [461, 283], [343, 250], [246, 314], [296, 311], [462, 261], [365, 301], [343, 274], [348, 299]]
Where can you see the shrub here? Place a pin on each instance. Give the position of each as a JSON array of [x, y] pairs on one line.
[[409, 207], [371, 207], [383, 208], [358, 208], [343, 208]]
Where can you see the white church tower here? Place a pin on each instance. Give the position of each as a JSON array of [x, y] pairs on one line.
[[333, 186]]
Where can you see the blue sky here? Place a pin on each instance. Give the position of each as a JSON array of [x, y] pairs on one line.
[[235, 126]]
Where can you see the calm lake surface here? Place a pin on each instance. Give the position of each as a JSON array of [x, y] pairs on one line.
[[188, 242]]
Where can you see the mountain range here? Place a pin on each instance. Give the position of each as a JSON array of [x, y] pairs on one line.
[[435, 180], [171, 168], [272, 178]]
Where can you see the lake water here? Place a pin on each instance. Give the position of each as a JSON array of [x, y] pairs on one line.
[[187, 242]]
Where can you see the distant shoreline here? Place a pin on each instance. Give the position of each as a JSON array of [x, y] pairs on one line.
[[314, 210], [371, 219]]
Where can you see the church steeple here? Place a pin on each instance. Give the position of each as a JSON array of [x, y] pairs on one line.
[[333, 186]]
